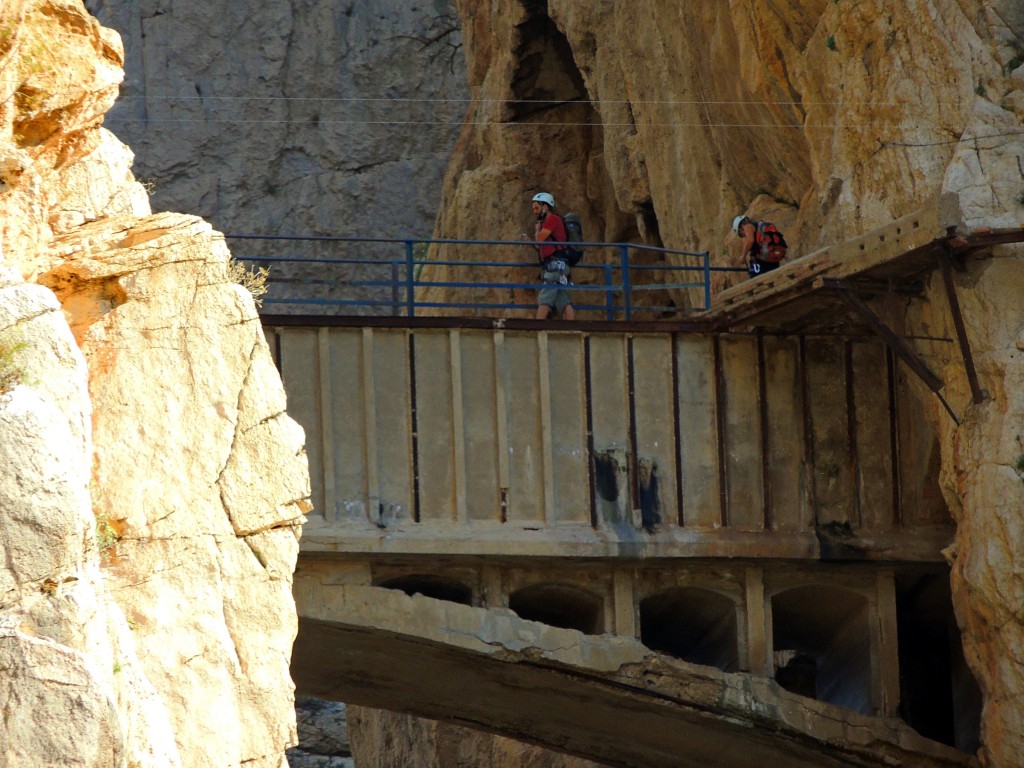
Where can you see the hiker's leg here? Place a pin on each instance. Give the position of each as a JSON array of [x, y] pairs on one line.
[[563, 305], [547, 299]]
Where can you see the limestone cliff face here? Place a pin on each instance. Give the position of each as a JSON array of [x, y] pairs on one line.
[[834, 118], [151, 485], [379, 736], [291, 116], [661, 126]]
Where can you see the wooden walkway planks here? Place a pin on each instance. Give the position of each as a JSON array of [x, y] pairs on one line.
[[900, 248]]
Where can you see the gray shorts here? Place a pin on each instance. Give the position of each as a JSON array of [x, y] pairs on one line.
[[555, 292]]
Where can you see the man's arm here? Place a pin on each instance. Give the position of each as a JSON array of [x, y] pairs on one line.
[[748, 243]]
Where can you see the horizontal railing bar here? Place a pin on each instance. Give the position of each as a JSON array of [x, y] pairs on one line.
[[452, 241], [603, 308], [524, 286], [465, 264], [471, 264]]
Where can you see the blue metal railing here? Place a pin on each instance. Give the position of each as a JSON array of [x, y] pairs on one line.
[[306, 272]]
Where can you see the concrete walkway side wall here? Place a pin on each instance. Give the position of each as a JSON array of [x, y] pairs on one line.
[[660, 443]]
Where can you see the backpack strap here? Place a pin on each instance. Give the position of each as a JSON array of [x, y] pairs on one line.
[[565, 231]]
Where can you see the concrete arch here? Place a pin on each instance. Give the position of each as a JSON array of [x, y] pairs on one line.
[[560, 605], [821, 644], [694, 624], [431, 585]]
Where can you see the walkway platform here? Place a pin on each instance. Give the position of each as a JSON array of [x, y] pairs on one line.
[[755, 481], [807, 295]]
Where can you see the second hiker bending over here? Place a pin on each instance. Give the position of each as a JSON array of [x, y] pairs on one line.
[[763, 245], [554, 269]]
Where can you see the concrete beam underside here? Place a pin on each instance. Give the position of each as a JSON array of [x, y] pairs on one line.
[[603, 698]]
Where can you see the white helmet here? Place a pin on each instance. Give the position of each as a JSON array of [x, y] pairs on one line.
[[736, 223], [544, 197]]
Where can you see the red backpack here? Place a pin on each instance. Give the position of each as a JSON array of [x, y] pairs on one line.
[[773, 244]]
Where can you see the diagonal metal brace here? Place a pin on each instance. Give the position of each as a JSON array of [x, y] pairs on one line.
[[895, 342], [946, 264]]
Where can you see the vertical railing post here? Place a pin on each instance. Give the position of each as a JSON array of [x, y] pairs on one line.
[[395, 304], [410, 294], [627, 298], [707, 280], [609, 293]]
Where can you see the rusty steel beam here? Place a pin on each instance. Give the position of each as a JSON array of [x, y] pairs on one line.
[[946, 267], [895, 342]]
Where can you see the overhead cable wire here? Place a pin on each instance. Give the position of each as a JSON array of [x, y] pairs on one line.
[[518, 123], [114, 119], [512, 102], [951, 141]]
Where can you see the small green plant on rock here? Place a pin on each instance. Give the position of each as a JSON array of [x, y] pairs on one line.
[[106, 537], [420, 255], [253, 280], [830, 42], [11, 371]]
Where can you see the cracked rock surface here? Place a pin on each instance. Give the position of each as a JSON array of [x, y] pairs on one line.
[[152, 486]]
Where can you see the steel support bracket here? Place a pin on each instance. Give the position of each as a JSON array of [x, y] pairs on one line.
[[895, 342], [946, 265]]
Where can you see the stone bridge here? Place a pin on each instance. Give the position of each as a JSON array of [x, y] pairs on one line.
[[605, 697], [719, 539]]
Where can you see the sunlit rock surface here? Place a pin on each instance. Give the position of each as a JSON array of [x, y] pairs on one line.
[[153, 487]]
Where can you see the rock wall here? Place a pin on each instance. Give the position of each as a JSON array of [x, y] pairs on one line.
[[323, 735], [379, 736], [292, 116], [833, 117], [152, 486], [661, 126], [145, 610]]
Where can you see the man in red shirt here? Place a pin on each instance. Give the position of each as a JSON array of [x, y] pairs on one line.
[[554, 270]]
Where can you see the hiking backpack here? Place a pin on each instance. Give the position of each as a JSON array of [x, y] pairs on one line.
[[773, 244], [573, 234]]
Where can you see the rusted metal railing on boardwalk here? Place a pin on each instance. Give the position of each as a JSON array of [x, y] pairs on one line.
[[307, 273]]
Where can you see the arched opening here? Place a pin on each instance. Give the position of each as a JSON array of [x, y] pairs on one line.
[[546, 77], [429, 585], [939, 697], [559, 606], [693, 624], [822, 646]]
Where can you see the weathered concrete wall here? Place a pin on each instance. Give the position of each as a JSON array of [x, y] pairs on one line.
[[609, 444]]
